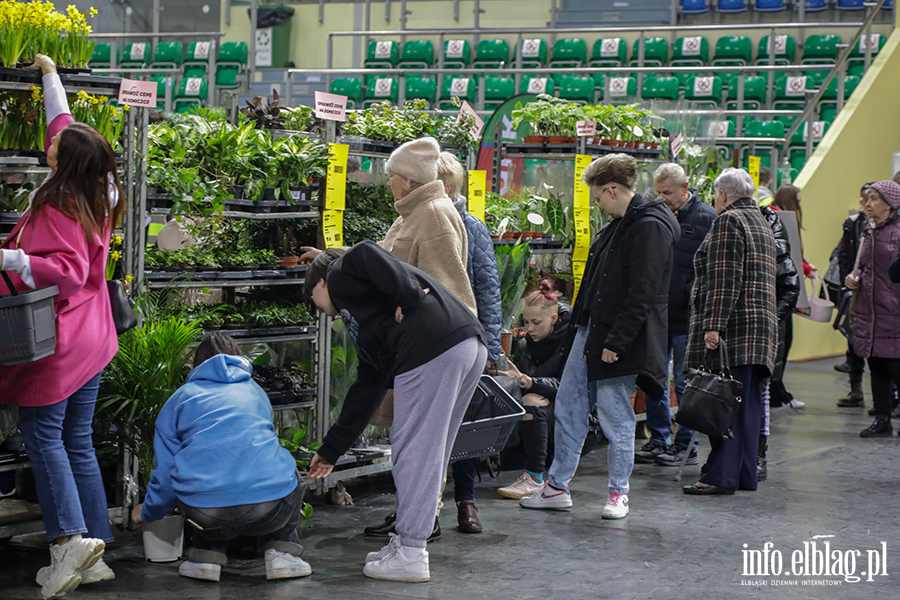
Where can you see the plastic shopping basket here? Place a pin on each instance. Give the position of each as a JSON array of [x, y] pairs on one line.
[[488, 422], [27, 324]]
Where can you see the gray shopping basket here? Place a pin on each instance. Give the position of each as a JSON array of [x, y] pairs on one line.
[[488, 422], [27, 324]]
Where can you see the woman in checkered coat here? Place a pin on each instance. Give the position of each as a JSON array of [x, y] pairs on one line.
[[733, 303]]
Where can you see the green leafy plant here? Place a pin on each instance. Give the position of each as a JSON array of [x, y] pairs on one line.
[[386, 122], [702, 166], [512, 267]]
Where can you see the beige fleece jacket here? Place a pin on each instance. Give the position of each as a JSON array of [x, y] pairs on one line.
[[429, 235]]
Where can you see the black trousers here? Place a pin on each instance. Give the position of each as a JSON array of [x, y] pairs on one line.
[[274, 522], [537, 437], [778, 394], [885, 374], [856, 363]]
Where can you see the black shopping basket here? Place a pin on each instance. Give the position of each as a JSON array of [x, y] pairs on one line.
[[27, 324], [488, 422]]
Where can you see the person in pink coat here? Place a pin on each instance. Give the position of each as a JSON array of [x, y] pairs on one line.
[[63, 240]]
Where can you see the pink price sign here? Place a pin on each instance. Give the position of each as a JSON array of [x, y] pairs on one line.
[[138, 93], [331, 107], [586, 128]]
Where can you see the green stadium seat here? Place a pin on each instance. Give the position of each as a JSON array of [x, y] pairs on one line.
[[101, 58], [828, 112], [704, 90], [690, 51], [457, 54], [136, 55], [233, 53], [491, 54], [168, 55], [733, 50], [228, 77], [567, 53], [831, 92], [497, 90], [350, 87], [857, 69], [194, 71], [457, 87], [160, 80], [622, 90], [784, 53], [537, 85], [754, 92], [821, 49], [417, 54], [599, 82], [422, 88], [380, 89], [819, 130], [609, 52], [720, 129], [790, 92], [762, 129], [196, 59], [191, 91], [382, 55], [656, 52], [659, 88], [580, 89], [817, 76], [858, 52], [534, 53]]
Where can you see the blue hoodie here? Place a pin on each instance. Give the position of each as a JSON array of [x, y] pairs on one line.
[[215, 443]]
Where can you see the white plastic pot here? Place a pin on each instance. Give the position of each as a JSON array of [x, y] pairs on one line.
[[163, 539]]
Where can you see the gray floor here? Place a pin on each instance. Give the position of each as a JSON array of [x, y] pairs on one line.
[[825, 484]]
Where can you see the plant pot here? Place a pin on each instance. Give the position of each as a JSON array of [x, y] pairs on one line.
[[535, 235], [506, 341], [653, 146], [269, 194], [495, 237], [534, 139], [508, 235], [558, 139], [611, 143], [288, 261], [641, 145], [163, 539], [631, 144], [236, 190]]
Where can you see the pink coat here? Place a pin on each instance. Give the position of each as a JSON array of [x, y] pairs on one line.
[[85, 333]]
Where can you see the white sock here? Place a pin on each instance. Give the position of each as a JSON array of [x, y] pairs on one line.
[[411, 552]]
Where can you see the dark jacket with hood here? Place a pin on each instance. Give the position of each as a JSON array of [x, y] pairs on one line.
[[544, 361], [848, 248], [625, 294], [787, 279], [694, 219], [366, 286]]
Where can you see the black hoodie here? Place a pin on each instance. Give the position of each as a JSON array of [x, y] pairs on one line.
[[543, 361], [625, 293]]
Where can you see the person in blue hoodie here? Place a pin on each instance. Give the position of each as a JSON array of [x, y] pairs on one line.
[[218, 459]]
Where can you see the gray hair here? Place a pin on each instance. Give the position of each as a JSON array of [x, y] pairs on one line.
[[736, 183], [451, 173], [671, 171]]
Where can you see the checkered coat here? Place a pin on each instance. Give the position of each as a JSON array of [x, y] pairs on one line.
[[734, 289]]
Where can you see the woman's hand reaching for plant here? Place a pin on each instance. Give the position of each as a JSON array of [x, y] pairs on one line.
[[319, 468], [44, 63], [309, 254]]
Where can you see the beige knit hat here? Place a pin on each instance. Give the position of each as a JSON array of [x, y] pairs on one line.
[[416, 160]]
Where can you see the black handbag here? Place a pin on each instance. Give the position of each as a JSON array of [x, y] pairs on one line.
[[122, 309], [711, 400]]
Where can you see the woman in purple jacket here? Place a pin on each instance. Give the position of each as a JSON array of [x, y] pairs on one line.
[[876, 311]]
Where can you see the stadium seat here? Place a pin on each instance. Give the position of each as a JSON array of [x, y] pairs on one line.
[[812, 6], [380, 89], [160, 80], [609, 52], [850, 5], [168, 55], [770, 6], [491, 54], [819, 130], [457, 54], [457, 87], [196, 59], [821, 49], [382, 55], [733, 50], [858, 52], [817, 76], [754, 92], [534, 53], [568, 52], [831, 92], [233, 54], [656, 52], [622, 90], [857, 69], [101, 58], [731, 6], [762, 129], [659, 88], [135, 55], [690, 51], [694, 7], [704, 90], [580, 89], [350, 87], [497, 90], [790, 92], [537, 85], [784, 53], [417, 54], [421, 88], [192, 91]]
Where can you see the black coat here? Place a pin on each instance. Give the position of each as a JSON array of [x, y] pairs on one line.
[[544, 361], [848, 248], [695, 219], [787, 278], [625, 293]]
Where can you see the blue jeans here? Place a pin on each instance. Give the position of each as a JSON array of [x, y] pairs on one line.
[[61, 450], [465, 476], [611, 398], [659, 420]]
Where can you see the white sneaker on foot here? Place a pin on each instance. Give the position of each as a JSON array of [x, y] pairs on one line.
[[99, 572], [66, 563], [794, 403], [548, 498], [390, 548], [397, 567], [204, 571], [616, 506], [522, 487], [281, 565]]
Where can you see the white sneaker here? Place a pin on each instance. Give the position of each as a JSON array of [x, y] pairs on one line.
[[396, 567], [616, 506], [548, 498], [205, 571], [390, 548], [794, 403], [66, 563], [522, 487], [99, 572], [281, 565]]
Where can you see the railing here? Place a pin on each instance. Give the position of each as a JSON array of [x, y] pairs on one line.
[[169, 93]]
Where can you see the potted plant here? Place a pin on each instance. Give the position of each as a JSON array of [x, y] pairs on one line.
[[512, 268]]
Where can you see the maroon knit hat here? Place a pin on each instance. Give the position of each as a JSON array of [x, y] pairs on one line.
[[889, 191]]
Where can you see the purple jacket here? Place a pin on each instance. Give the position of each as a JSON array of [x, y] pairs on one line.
[[876, 315]]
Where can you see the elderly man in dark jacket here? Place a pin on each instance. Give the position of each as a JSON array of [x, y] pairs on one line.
[[694, 219], [620, 323]]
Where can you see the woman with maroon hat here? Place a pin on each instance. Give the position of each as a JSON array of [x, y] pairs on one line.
[[876, 312]]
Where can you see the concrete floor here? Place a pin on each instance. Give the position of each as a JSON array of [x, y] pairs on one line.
[[825, 484]]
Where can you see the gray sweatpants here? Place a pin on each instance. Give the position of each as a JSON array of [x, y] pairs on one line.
[[429, 404]]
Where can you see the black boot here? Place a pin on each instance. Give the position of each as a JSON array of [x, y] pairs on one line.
[[761, 464], [880, 428], [390, 521]]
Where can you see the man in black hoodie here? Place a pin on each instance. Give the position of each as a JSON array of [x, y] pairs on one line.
[[620, 318]]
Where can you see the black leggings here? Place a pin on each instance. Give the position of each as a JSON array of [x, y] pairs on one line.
[[537, 437], [885, 374]]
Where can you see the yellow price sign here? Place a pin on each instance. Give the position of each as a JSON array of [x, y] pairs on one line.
[[582, 190], [753, 169], [333, 228], [578, 272], [582, 219], [336, 182], [477, 188]]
